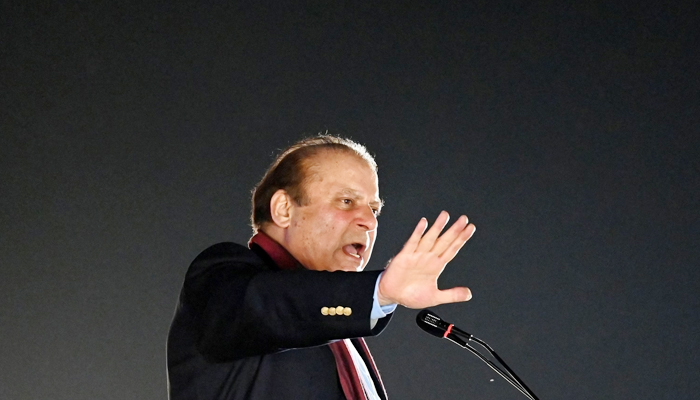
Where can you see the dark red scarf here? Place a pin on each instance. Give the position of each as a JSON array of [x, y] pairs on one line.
[[349, 380]]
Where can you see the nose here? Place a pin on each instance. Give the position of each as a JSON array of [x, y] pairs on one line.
[[367, 219]]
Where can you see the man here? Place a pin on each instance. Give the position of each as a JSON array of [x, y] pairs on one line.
[[272, 321]]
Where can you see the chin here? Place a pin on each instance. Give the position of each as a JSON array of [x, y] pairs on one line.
[[351, 268], [357, 268]]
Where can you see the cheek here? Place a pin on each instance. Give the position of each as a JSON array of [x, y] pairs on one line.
[[317, 234], [327, 224], [372, 237], [322, 232]]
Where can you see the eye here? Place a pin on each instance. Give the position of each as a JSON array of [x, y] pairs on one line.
[[347, 201], [375, 211]]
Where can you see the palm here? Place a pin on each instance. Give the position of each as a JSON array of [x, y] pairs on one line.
[[411, 277]]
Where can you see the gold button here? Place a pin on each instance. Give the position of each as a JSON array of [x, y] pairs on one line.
[[324, 311], [331, 311], [347, 311], [339, 310]]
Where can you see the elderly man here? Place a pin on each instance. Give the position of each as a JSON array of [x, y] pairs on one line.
[[284, 317]]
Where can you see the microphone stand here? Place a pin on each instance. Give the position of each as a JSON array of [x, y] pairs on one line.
[[503, 363], [508, 375], [434, 325]]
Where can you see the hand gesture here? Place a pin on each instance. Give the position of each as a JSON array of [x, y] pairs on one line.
[[411, 277]]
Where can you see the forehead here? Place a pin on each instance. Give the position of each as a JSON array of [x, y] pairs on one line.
[[332, 168]]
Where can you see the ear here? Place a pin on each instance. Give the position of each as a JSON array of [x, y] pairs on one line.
[[280, 208]]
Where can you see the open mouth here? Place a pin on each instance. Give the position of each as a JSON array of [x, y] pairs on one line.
[[354, 250]]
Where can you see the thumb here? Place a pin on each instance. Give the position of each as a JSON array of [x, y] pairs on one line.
[[454, 295]]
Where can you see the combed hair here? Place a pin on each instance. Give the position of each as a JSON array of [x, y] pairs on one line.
[[290, 170]]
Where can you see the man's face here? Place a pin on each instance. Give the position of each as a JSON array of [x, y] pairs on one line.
[[337, 227]]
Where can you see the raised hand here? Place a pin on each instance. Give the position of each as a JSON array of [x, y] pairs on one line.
[[411, 277]]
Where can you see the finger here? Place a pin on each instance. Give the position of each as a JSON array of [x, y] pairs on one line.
[[457, 244], [413, 241], [450, 235], [428, 240], [454, 295]]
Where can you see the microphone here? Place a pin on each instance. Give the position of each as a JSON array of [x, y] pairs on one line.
[[434, 325]]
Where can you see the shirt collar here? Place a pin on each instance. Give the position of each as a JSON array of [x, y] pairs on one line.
[[277, 253]]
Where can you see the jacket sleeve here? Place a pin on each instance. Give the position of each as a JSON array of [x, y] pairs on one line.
[[243, 308]]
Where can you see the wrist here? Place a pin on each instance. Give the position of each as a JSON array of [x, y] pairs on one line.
[[381, 299]]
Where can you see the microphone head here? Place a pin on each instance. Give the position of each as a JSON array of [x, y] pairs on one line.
[[431, 323]]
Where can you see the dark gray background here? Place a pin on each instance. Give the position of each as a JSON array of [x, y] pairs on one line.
[[132, 134]]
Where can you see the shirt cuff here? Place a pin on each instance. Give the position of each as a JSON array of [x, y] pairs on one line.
[[377, 310]]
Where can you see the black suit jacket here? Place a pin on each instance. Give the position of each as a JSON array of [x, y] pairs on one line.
[[244, 329]]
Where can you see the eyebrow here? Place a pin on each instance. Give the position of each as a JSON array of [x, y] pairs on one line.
[[354, 193]]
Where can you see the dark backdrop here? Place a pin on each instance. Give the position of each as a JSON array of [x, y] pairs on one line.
[[132, 134]]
